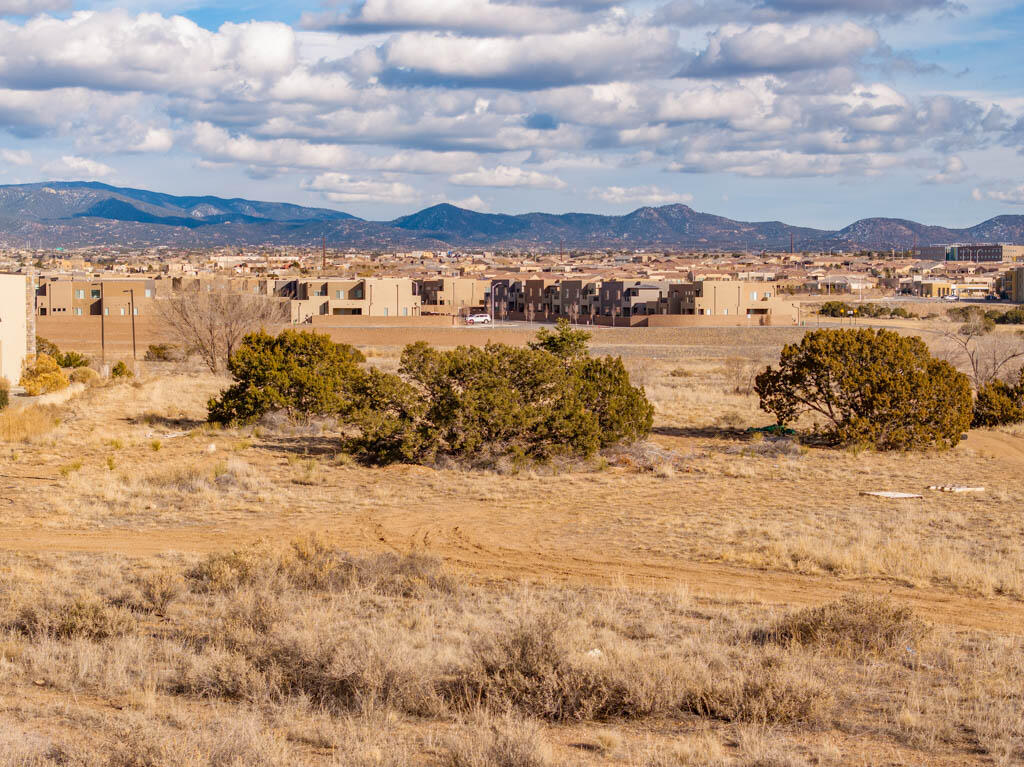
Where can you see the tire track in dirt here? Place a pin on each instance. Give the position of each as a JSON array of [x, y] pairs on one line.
[[463, 554]]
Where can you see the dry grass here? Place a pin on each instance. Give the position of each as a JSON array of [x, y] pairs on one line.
[[305, 654], [250, 653], [29, 423]]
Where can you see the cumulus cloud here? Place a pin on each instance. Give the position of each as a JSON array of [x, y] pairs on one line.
[[644, 195], [780, 163], [31, 7], [340, 187], [471, 17], [508, 176], [155, 140], [113, 50], [473, 203], [597, 54], [217, 144], [952, 172], [700, 13], [74, 168], [1012, 196], [889, 8], [737, 50], [502, 97], [20, 157]]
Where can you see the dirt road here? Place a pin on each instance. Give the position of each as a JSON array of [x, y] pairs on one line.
[[488, 560]]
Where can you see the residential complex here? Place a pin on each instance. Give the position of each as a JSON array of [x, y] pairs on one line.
[[975, 253], [95, 297]]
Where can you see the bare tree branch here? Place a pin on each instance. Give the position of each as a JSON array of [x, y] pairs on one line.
[[213, 324], [986, 355]]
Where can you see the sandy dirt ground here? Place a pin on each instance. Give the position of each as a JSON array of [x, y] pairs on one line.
[[487, 526]]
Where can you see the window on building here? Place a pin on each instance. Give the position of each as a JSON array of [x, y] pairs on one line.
[[405, 311], [339, 294], [753, 295], [149, 292], [78, 311], [106, 311], [95, 293], [385, 311], [80, 293], [122, 311], [135, 311]]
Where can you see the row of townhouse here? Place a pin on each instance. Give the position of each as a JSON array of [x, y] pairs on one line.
[[60, 296], [531, 299], [541, 299]]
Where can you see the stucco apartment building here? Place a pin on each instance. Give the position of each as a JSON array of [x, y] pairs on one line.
[[728, 298], [13, 325], [1013, 285], [453, 295], [61, 297], [376, 297]]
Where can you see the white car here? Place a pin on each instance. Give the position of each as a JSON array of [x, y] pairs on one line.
[[478, 319]]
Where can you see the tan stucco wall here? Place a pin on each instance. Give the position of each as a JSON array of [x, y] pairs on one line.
[[13, 326]]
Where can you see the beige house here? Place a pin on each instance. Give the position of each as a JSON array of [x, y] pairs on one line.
[[13, 325]]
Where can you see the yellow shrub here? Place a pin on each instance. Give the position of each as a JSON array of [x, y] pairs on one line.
[[86, 376], [43, 376]]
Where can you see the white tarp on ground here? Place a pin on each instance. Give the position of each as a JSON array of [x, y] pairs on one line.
[[890, 494]]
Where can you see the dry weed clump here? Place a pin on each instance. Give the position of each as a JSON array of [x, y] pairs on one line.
[[310, 564], [160, 589], [26, 424], [37, 616], [529, 669], [646, 457], [507, 742], [774, 688], [532, 668], [223, 476], [854, 624]]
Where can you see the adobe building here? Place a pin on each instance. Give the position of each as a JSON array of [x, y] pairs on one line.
[[14, 336]]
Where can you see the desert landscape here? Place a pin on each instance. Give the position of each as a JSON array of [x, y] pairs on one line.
[[180, 593]]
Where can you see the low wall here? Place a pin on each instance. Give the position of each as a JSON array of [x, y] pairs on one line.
[[83, 334], [706, 321], [362, 321]]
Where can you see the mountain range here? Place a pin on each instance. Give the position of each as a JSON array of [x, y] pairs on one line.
[[75, 214]]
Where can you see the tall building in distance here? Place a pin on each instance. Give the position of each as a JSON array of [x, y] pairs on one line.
[[972, 253]]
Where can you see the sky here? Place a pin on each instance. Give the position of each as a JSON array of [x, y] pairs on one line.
[[814, 112]]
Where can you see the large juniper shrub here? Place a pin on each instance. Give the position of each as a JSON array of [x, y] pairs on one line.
[[303, 374], [872, 387]]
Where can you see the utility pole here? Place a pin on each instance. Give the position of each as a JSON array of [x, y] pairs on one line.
[[103, 327], [131, 308]]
